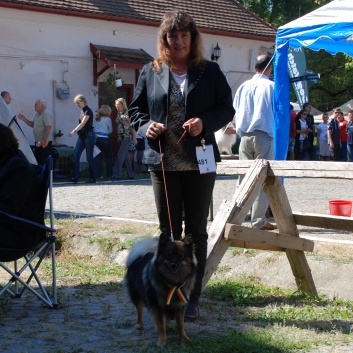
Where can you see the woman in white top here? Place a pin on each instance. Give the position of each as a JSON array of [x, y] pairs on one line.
[[102, 128], [324, 147]]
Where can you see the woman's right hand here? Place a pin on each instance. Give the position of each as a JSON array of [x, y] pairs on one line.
[[155, 130]]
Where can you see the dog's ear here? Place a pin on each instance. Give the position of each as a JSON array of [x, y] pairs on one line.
[[163, 239], [188, 239]]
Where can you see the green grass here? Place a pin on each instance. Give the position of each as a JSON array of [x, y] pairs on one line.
[[272, 305], [109, 244], [254, 340], [85, 271]]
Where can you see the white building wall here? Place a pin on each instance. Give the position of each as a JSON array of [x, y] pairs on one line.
[[40, 52]]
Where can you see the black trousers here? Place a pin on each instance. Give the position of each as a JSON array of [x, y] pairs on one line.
[[189, 197], [42, 154]]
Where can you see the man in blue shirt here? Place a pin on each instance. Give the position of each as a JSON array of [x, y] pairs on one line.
[[254, 119]]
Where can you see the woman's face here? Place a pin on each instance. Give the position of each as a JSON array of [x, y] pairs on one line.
[[179, 45], [303, 115], [119, 106], [80, 104]]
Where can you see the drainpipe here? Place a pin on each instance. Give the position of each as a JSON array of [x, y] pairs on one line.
[[54, 112]]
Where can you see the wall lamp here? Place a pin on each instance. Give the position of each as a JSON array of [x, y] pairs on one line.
[[216, 53]]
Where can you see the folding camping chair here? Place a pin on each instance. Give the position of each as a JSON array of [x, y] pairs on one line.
[[26, 262]]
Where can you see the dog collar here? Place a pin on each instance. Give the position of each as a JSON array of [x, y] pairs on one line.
[[176, 292]]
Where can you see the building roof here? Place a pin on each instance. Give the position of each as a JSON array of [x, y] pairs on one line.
[[222, 17], [123, 54]]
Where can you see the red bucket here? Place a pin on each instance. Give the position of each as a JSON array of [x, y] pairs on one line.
[[340, 208]]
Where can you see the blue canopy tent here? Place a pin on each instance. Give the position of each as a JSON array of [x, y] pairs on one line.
[[331, 28]]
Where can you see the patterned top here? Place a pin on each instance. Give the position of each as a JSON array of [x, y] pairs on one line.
[[176, 157], [123, 122]]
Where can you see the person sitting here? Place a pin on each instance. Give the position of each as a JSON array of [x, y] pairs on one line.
[[18, 193]]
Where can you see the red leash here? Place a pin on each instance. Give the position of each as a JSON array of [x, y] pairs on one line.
[[165, 189]]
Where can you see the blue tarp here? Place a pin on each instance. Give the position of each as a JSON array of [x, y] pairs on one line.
[[330, 28]]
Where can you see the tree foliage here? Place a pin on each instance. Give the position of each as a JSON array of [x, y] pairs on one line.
[[279, 12], [336, 79], [107, 91], [336, 72]]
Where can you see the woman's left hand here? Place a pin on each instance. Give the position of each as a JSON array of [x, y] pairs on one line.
[[193, 126]]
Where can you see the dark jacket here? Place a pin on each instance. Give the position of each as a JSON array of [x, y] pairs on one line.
[[19, 197], [207, 96], [334, 127]]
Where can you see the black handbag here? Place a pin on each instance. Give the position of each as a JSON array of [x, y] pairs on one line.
[[82, 133]]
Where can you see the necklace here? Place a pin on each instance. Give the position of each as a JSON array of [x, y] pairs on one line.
[[178, 71]]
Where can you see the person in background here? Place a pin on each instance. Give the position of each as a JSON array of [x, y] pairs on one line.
[[102, 125], [254, 119], [323, 145], [302, 143], [86, 139], [6, 97], [199, 103], [349, 129], [311, 125], [292, 133], [131, 152], [126, 136], [41, 124], [18, 193], [343, 136], [9, 119], [333, 134], [140, 147]]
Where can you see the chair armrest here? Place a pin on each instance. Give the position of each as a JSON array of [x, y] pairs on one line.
[[6, 218]]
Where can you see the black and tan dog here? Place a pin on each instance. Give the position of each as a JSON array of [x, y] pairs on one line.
[[160, 275]]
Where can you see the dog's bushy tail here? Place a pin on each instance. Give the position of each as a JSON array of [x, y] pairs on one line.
[[141, 248]]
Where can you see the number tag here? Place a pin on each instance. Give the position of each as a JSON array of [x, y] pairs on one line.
[[205, 159]]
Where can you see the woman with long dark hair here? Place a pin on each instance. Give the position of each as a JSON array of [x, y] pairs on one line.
[[302, 143], [180, 100]]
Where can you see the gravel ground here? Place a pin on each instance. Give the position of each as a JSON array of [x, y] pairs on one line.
[[134, 199]]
